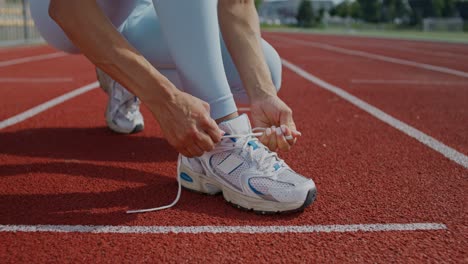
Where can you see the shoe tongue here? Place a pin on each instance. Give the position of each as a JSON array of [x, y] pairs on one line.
[[237, 125]]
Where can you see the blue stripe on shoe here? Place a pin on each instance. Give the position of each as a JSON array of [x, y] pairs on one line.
[[253, 144], [254, 190], [184, 176], [277, 166], [232, 139]]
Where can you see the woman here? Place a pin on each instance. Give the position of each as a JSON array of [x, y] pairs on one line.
[[171, 55]]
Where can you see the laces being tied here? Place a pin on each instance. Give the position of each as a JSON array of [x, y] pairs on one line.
[[262, 163]]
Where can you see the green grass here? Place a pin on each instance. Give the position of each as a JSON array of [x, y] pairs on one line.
[[455, 37]]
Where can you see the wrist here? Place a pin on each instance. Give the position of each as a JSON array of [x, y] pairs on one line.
[[157, 92], [257, 95]]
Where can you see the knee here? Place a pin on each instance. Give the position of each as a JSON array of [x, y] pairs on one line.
[[143, 30], [49, 30], [273, 61]]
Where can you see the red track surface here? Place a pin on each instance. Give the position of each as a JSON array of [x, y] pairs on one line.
[[63, 167]]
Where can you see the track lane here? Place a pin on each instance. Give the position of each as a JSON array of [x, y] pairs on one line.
[[439, 111], [342, 248], [18, 97], [366, 172], [11, 53], [445, 55], [65, 167]]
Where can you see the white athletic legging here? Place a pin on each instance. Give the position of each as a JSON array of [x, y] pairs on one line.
[[182, 41]]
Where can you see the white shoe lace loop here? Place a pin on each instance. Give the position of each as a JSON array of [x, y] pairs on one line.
[[265, 162], [267, 158]]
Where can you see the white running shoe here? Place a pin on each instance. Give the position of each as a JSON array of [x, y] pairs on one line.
[[248, 174], [123, 108]]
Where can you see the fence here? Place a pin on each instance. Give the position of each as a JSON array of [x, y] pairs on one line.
[[16, 24], [443, 24]]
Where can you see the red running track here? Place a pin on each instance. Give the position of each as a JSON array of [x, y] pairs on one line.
[[63, 167], [430, 107]]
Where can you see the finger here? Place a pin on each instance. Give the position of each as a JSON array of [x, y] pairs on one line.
[[288, 135], [281, 141], [272, 143], [204, 142], [195, 150], [265, 138], [211, 128], [296, 133], [287, 119], [186, 153]]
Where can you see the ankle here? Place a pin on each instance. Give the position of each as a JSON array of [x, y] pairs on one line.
[[228, 117]]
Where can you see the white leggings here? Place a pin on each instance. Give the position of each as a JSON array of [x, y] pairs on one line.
[[181, 40]]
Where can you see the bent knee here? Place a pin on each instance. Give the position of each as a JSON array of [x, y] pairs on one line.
[[49, 30]]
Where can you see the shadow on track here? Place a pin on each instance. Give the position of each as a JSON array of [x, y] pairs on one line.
[[133, 189], [69, 206], [85, 144], [80, 159]]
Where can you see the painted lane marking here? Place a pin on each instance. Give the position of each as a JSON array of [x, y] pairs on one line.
[[427, 140], [32, 58], [419, 50], [410, 82], [35, 80], [49, 104], [376, 57], [107, 229]]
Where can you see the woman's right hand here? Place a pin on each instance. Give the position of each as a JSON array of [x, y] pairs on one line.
[[186, 123]]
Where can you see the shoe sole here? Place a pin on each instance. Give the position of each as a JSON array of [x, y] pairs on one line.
[[201, 184]]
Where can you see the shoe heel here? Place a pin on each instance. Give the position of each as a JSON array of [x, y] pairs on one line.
[[196, 182]]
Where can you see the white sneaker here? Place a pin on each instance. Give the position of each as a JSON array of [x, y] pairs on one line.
[[248, 174], [123, 108]]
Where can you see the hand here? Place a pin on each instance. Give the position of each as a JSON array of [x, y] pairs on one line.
[[187, 125], [272, 113]]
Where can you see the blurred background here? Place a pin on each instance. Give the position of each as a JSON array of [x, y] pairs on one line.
[[16, 24], [445, 20], [427, 19]]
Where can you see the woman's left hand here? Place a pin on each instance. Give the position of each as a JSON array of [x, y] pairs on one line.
[[272, 113]]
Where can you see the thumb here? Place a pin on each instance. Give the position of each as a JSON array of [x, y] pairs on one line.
[[287, 120]]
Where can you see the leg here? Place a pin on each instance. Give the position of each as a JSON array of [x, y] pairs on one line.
[[273, 61], [195, 51], [116, 10], [191, 32], [143, 30]]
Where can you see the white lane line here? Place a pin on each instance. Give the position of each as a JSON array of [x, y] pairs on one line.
[[49, 104], [420, 50], [35, 80], [410, 82], [32, 58], [427, 140], [376, 57], [106, 229]]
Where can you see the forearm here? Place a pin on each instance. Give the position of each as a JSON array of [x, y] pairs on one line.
[[108, 50], [239, 24]]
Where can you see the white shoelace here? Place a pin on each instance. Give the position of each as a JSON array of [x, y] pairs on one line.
[[271, 156]]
